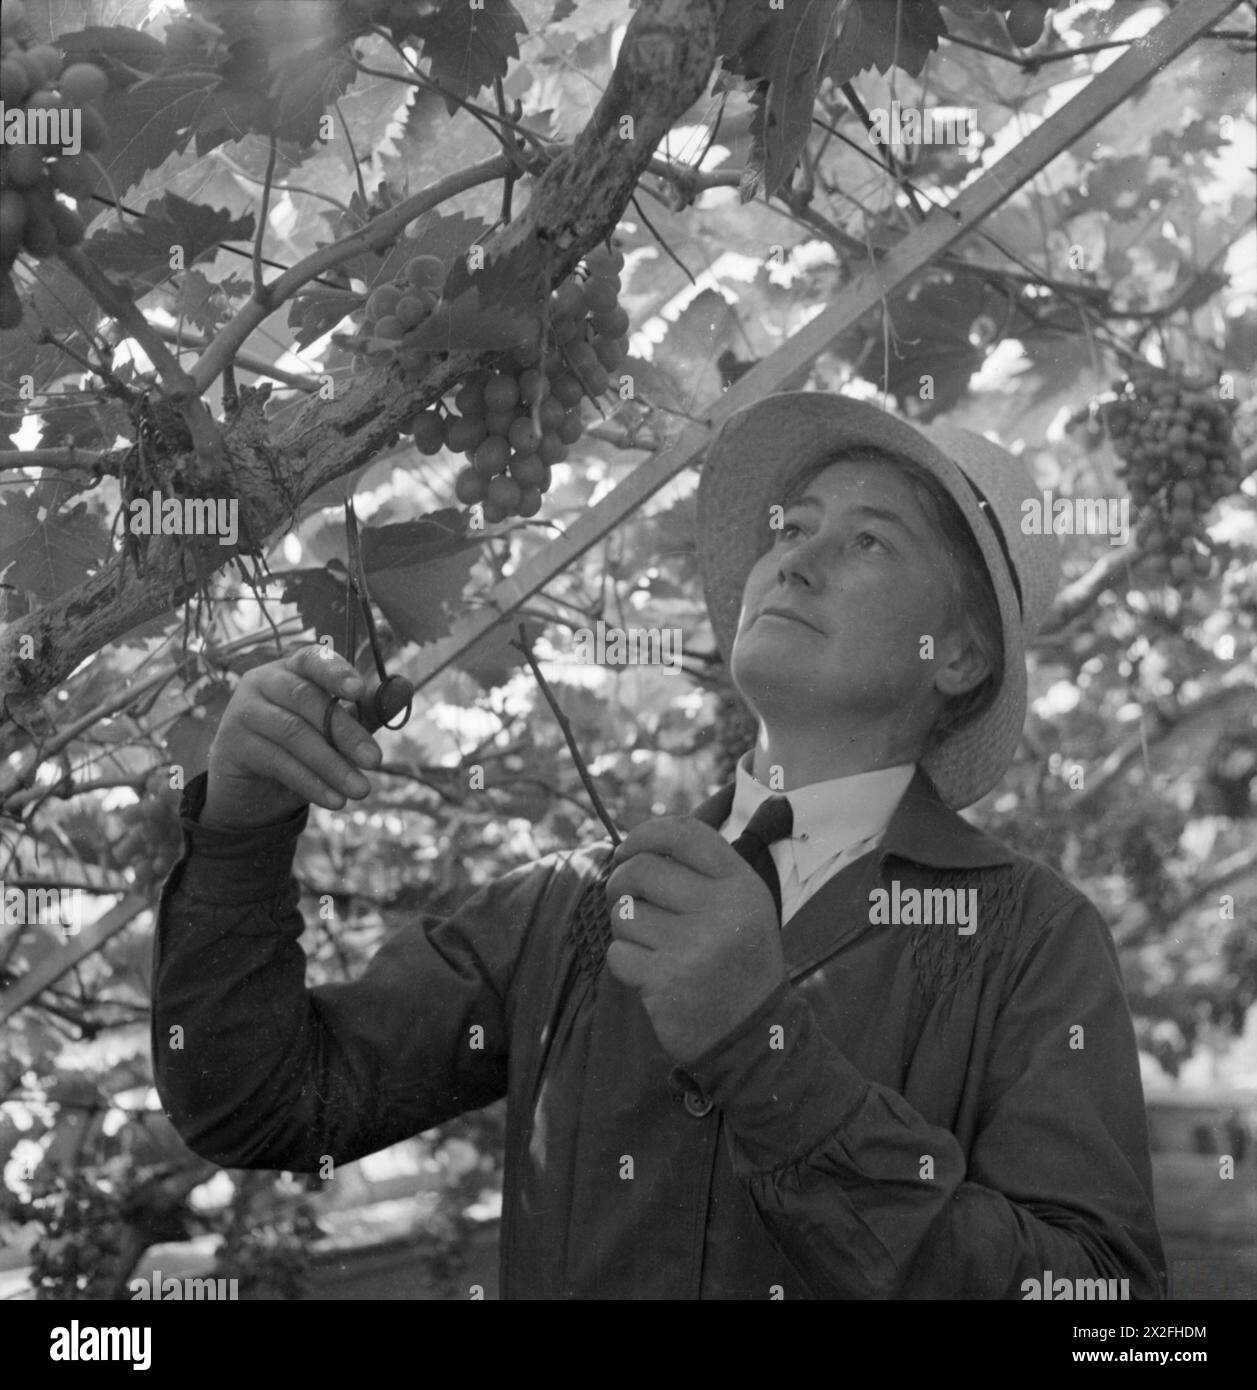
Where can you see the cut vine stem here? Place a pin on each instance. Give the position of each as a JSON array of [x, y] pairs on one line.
[[523, 646]]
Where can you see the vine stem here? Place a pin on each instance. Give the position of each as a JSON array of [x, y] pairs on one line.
[[384, 228], [523, 645], [181, 388]]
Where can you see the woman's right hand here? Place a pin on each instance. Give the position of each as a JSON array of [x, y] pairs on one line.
[[269, 757]]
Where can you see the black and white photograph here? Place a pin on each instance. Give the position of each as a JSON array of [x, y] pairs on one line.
[[628, 668]]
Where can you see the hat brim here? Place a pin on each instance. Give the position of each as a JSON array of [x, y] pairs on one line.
[[755, 457]]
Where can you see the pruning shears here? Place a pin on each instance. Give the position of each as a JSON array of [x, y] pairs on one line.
[[392, 694]]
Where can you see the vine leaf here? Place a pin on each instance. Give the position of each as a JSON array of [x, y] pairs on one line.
[[417, 570], [147, 123], [120, 49], [142, 253], [205, 303], [784, 51], [868, 38], [467, 48], [52, 555]]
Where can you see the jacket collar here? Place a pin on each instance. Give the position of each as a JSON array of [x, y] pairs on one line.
[[923, 829]]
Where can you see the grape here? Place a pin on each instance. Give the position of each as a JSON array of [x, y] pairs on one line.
[[469, 399], [600, 296], [550, 414], [524, 435], [552, 449], [389, 328], [23, 167], [493, 512], [465, 433], [567, 390], [1025, 22], [470, 487], [425, 272], [529, 503], [504, 492], [571, 429], [491, 456], [411, 310], [612, 324], [428, 429], [500, 421], [528, 470], [611, 352], [604, 262], [83, 84], [567, 302], [382, 301], [501, 392]]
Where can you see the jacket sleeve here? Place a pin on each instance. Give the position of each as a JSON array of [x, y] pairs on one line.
[[868, 1199], [257, 1071]]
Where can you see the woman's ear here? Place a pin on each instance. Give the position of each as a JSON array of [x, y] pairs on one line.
[[961, 666]]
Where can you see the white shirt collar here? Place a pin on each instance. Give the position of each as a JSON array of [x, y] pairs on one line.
[[829, 817]]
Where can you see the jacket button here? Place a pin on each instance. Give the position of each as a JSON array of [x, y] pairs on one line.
[[698, 1105]]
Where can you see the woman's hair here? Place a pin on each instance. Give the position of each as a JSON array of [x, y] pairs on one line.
[[971, 601]]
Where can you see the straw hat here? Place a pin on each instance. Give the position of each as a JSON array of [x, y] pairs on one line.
[[761, 449]]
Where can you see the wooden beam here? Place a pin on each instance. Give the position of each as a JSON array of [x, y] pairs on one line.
[[77, 948], [942, 228]]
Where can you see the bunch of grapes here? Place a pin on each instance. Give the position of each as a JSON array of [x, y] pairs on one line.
[[516, 419], [392, 310], [152, 840], [33, 78], [1174, 439]]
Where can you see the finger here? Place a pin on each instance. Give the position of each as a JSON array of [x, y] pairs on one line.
[[654, 878], [628, 963], [682, 838], [299, 732], [288, 691], [274, 761], [327, 669], [648, 927]]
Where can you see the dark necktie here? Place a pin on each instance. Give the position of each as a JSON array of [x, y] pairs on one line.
[[773, 820]]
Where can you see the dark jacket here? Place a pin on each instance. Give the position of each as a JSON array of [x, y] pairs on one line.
[[918, 1113]]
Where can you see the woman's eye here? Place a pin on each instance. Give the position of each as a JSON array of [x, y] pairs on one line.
[[789, 530], [865, 536]]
